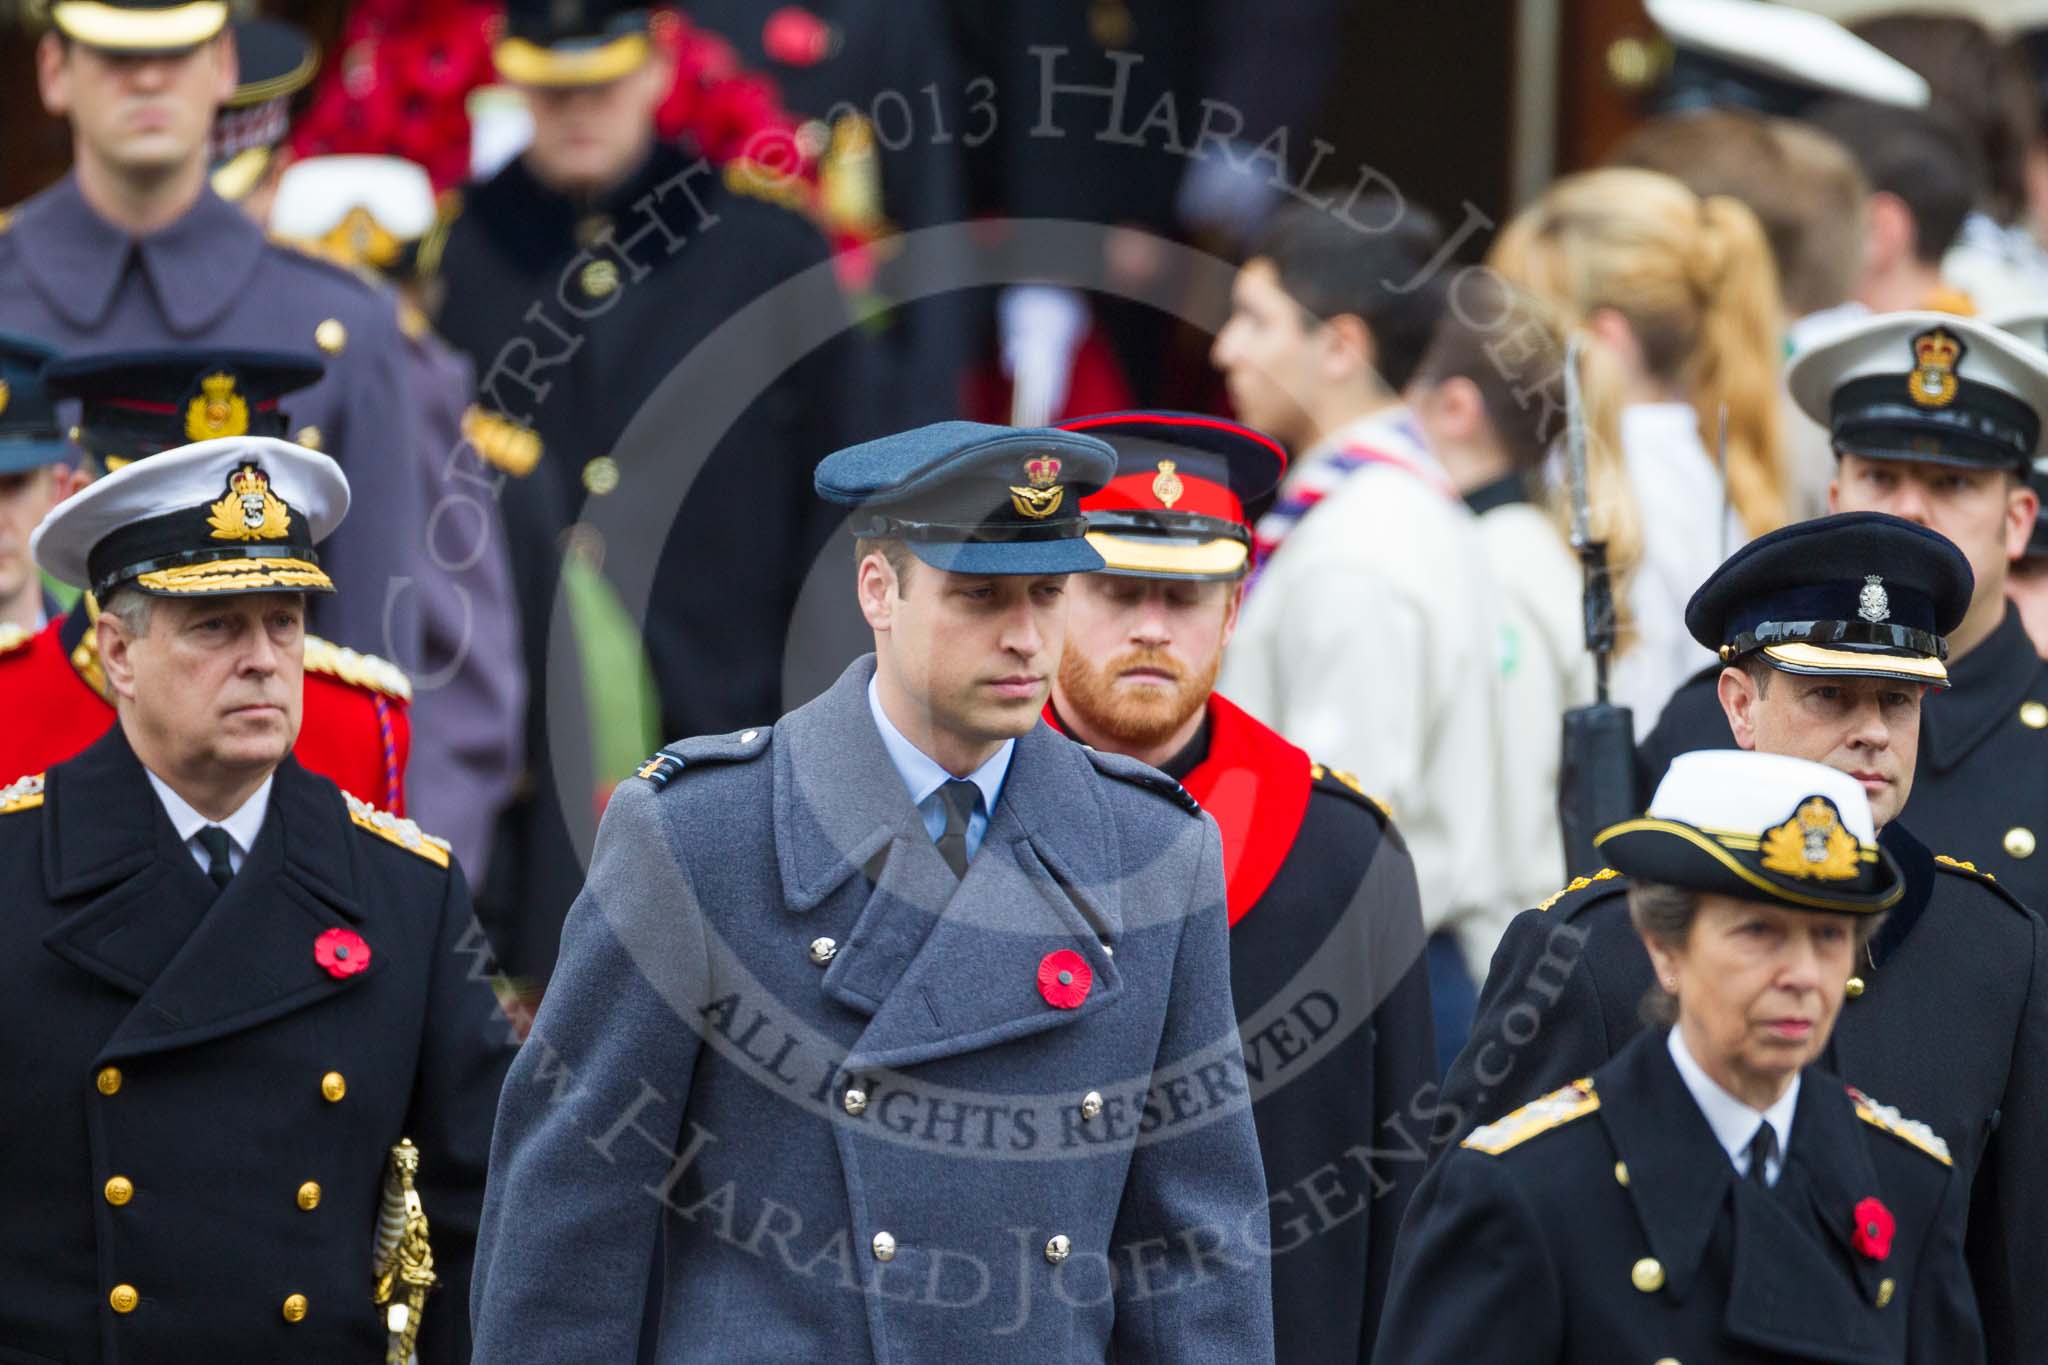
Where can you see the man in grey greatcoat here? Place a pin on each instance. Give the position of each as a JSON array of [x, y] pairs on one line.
[[900, 1030]]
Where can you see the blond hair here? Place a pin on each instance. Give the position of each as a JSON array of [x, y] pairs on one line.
[[1693, 279]]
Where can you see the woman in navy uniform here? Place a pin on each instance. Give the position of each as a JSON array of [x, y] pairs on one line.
[[1709, 1194]]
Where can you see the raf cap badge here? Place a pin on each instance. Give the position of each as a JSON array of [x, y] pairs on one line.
[[1045, 494], [249, 510], [218, 410], [1936, 353]]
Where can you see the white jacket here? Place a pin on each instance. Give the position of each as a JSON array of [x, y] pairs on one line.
[[1370, 639]]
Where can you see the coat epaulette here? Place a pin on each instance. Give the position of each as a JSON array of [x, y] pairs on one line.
[[1910, 1131], [23, 793], [756, 181], [1554, 1110], [736, 747], [13, 637], [1956, 867], [6, 219], [1350, 785], [364, 670], [397, 830], [1143, 775], [501, 442], [1577, 884]]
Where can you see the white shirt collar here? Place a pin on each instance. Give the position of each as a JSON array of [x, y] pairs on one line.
[[1734, 1122], [1392, 427], [242, 826], [922, 774]]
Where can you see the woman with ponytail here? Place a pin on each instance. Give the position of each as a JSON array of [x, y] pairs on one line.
[[1679, 299]]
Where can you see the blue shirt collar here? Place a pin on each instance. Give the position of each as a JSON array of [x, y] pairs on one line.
[[922, 774]]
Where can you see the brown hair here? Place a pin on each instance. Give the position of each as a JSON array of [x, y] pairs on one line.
[[892, 550], [1980, 81], [1804, 188], [1694, 280]]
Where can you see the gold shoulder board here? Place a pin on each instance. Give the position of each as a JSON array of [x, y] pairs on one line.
[[1580, 884], [1959, 865], [1910, 1131], [1317, 772], [23, 793], [501, 442], [1554, 1110], [404, 833], [364, 670]]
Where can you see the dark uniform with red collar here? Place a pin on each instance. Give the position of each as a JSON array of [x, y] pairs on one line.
[[1949, 1017], [1326, 933]]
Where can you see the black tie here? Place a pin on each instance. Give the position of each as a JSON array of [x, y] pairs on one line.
[[1762, 1148], [958, 797], [214, 840]]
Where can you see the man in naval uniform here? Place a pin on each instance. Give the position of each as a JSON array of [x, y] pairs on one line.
[[903, 1025], [1937, 419], [1832, 631], [133, 249], [229, 992], [358, 726], [1326, 939]]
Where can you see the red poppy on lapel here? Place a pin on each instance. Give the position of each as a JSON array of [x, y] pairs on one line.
[[342, 952], [1064, 978], [1873, 1229], [796, 37]]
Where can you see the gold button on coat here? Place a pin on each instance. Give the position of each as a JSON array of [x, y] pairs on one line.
[[2019, 842], [856, 1102], [1091, 1105], [109, 1079], [333, 1087], [823, 950], [1668, 1360], [1648, 1275], [309, 1195], [120, 1190], [1058, 1248], [1621, 1173], [885, 1247], [599, 278], [1854, 987], [122, 1298], [330, 336], [2034, 715], [309, 437], [601, 475], [1885, 1289], [295, 1308]]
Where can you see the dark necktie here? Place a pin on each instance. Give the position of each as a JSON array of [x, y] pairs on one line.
[[1762, 1149], [214, 840], [958, 797]]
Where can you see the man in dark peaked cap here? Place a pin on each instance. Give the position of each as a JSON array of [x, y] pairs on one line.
[[241, 1010], [36, 472], [133, 249], [1326, 942], [1831, 632], [1001, 1110]]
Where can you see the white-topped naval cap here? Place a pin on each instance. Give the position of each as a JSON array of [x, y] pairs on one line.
[[1790, 45], [252, 505], [1733, 791], [2028, 323], [317, 194]]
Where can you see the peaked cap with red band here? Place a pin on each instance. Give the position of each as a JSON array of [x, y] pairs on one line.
[[1186, 492], [136, 403]]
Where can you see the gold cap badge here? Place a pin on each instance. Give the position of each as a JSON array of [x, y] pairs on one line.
[[1812, 844], [249, 510], [5, 394], [1168, 487], [1936, 353], [1045, 494], [218, 410]]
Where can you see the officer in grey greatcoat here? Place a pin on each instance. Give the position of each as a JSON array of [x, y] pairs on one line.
[[901, 1029]]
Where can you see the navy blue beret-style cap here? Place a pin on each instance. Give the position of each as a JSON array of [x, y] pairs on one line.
[[1860, 594], [29, 435], [972, 498]]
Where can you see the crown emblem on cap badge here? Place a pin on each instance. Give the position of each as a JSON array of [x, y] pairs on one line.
[[1168, 487], [5, 394], [249, 510], [1812, 844], [1872, 604], [218, 410], [1936, 353], [1045, 494]]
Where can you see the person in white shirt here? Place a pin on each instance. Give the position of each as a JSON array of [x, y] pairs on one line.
[[1368, 633], [1680, 298]]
